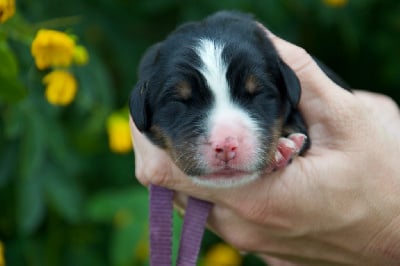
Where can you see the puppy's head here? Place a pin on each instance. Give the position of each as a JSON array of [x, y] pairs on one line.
[[215, 95]]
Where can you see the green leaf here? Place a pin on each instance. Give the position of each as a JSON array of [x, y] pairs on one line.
[[8, 161], [14, 119], [128, 210], [33, 145], [11, 89], [30, 204], [127, 241], [95, 81], [8, 66], [176, 235], [63, 194], [104, 206]]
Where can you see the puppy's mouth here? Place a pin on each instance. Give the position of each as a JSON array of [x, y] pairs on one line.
[[227, 173], [226, 177]]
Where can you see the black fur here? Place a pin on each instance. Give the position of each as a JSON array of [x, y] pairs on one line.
[[174, 123]]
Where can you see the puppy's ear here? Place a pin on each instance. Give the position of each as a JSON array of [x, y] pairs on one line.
[[138, 104], [291, 82]]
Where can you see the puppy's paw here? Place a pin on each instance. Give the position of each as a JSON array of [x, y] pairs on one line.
[[288, 148], [300, 140]]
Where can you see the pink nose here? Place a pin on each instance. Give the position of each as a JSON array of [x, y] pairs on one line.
[[226, 150]]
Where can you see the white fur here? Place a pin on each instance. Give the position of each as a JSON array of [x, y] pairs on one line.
[[225, 183], [214, 70], [224, 111]]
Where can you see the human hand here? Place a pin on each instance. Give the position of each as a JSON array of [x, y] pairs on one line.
[[336, 205]]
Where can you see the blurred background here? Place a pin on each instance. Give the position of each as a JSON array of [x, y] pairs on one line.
[[68, 195]]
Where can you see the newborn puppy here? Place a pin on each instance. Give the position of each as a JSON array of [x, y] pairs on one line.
[[217, 97]]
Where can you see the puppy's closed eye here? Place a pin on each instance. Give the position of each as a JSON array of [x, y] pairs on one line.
[[218, 99]]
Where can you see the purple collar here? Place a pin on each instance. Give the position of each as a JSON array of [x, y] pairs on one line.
[[161, 208]]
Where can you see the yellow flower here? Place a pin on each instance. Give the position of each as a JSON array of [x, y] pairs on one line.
[[7, 10], [335, 3], [119, 133], [222, 255], [81, 56], [61, 87], [2, 260], [52, 48]]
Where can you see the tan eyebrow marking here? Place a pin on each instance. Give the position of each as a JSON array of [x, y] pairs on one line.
[[184, 90], [251, 84]]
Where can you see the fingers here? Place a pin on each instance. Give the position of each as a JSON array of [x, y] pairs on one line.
[[383, 108], [277, 262], [378, 102], [224, 221], [302, 63], [319, 92], [152, 164]]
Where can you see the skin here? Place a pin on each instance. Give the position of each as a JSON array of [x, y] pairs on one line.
[[337, 205]]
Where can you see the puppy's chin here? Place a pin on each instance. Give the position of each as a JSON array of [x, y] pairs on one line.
[[225, 181]]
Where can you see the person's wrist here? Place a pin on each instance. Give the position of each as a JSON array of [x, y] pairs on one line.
[[384, 248], [392, 241], [381, 186]]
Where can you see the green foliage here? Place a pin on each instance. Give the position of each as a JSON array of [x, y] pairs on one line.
[[12, 90], [65, 199], [126, 209]]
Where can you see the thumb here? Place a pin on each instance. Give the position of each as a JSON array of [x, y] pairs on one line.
[[319, 92]]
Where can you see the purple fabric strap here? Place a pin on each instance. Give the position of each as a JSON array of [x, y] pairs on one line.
[[161, 209], [160, 226], [192, 232]]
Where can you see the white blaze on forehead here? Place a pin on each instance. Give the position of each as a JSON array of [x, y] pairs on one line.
[[226, 118], [214, 68]]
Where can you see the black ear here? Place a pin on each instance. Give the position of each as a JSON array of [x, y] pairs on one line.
[[138, 106], [291, 82]]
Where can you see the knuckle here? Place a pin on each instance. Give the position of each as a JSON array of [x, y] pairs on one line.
[[303, 52], [160, 178], [253, 213], [243, 242], [346, 116], [155, 172], [389, 102], [139, 174]]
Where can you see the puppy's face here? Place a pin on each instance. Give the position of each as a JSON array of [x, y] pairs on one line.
[[217, 103]]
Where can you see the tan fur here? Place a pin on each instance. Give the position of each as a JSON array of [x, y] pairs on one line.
[[275, 135], [184, 90], [251, 84]]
